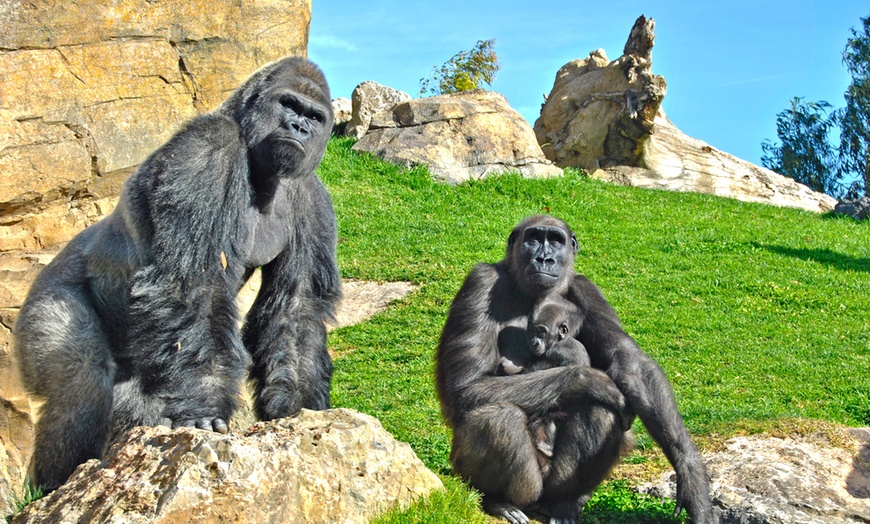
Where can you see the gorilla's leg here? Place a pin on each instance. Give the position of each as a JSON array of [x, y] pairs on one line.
[[588, 445], [65, 359], [493, 450]]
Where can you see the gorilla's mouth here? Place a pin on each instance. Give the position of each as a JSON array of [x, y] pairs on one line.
[[537, 349], [543, 275], [295, 142]]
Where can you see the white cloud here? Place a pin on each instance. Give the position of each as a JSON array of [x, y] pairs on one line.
[[331, 42]]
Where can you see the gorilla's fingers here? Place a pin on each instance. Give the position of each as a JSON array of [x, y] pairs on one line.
[[220, 426], [203, 423], [183, 424], [627, 416]]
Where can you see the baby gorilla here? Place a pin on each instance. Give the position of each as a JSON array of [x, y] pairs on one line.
[[551, 344]]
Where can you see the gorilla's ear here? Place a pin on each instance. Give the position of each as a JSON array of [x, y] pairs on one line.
[[512, 238], [574, 246]]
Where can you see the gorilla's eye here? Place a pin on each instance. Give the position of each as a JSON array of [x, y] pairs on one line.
[[291, 103], [318, 117]]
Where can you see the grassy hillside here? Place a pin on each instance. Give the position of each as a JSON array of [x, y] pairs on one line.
[[758, 314]]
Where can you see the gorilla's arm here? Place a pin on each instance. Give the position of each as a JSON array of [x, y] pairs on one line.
[[285, 330], [647, 392], [185, 207], [468, 356]]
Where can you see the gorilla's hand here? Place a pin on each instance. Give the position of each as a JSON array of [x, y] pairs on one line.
[[594, 384], [693, 493], [216, 424]]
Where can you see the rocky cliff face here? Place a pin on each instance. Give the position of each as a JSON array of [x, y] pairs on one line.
[[90, 89]]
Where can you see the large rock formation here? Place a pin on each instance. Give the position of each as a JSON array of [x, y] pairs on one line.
[[460, 136], [786, 481], [605, 117], [319, 467], [599, 112], [90, 89]]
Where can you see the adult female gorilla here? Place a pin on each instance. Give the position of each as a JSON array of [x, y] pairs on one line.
[[489, 414]]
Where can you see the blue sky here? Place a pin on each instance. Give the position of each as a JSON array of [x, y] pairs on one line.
[[731, 66]]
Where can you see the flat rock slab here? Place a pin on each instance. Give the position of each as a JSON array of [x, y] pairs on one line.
[[786, 481]]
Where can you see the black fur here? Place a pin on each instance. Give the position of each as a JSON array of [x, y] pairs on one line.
[[135, 321], [490, 413]]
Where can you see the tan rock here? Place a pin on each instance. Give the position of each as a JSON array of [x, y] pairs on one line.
[[342, 109], [600, 113], [606, 118], [461, 136], [322, 466], [677, 162], [367, 99]]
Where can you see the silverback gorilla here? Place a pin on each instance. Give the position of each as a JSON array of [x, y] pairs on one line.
[[135, 322], [489, 412]]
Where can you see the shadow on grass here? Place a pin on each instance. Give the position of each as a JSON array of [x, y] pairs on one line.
[[822, 256]]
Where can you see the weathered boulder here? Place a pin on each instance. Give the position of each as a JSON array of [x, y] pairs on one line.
[[367, 99], [322, 466], [460, 136], [89, 91], [675, 161], [857, 208], [599, 113], [785, 481]]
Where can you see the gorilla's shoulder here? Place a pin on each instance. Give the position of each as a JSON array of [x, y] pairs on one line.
[[486, 273], [211, 130], [583, 292]]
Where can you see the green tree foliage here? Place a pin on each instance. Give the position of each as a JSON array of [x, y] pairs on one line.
[[806, 152], [466, 70], [854, 119]]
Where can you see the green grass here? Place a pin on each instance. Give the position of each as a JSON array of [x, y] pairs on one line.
[[757, 313], [16, 503]]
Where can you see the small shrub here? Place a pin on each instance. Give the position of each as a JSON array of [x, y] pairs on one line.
[[465, 71]]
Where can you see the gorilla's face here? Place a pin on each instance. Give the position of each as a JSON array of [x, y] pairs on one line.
[[546, 255], [538, 336], [291, 125], [548, 328]]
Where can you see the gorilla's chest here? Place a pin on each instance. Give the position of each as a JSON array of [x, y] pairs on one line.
[[512, 336], [269, 237]]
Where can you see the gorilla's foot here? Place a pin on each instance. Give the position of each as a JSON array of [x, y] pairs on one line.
[[507, 511]]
